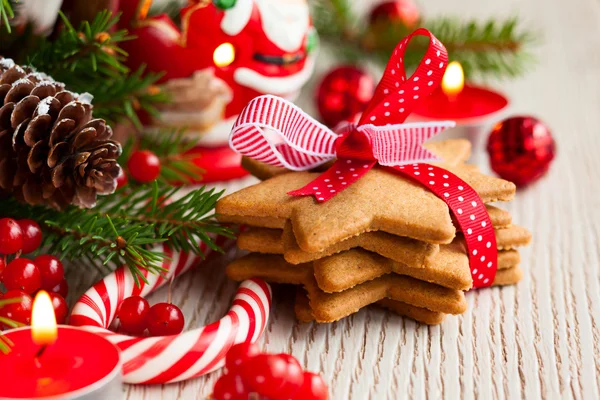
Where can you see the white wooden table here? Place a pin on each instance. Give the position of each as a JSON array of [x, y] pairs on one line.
[[540, 338]]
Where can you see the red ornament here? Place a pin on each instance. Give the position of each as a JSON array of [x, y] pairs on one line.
[[2, 267], [313, 388], [32, 235], [22, 274], [11, 236], [273, 375], [60, 307], [132, 314], [240, 353], [20, 311], [144, 166], [403, 12], [62, 288], [51, 270], [165, 319], [343, 94], [521, 149], [230, 387], [122, 179]]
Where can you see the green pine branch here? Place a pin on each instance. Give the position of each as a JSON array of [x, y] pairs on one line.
[[89, 59], [6, 343], [122, 228], [6, 13], [493, 48]]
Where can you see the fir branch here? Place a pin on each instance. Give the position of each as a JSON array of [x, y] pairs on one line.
[[490, 48], [122, 228], [89, 59], [6, 343], [6, 13]]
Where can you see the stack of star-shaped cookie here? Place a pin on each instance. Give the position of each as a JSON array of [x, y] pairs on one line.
[[383, 240]]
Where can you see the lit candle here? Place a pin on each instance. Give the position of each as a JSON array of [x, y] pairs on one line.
[[47, 361], [453, 81]]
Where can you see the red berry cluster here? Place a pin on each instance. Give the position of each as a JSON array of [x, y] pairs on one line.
[[268, 376], [162, 319], [22, 277]]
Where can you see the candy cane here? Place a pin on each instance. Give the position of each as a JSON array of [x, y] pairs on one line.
[[174, 358]]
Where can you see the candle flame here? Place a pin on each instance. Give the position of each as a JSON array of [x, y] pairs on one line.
[[43, 320], [454, 79], [143, 8], [224, 54]]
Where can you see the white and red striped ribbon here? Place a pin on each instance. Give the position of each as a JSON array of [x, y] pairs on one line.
[[149, 360]]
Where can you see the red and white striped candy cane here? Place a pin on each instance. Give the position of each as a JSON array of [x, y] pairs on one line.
[[179, 357]]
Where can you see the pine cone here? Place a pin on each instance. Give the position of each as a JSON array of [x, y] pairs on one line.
[[51, 150]]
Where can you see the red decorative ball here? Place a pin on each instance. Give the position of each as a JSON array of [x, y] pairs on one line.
[[122, 179], [32, 235], [22, 274], [132, 314], [2, 267], [165, 319], [403, 12], [11, 236], [20, 311], [51, 269], [240, 353], [60, 307], [521, 149], [313, 388], [144, 166], [62, 288], [343, 94], [230, 387], [275, 376]]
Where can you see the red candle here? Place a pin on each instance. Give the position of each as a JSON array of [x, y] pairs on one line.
[[465, 104], [50, 362]]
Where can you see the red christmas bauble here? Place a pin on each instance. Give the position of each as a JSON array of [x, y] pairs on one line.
[[404, 12], [521, 149], [343, 94]]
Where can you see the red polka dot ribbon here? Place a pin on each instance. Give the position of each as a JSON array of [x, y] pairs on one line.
[[274, 131]]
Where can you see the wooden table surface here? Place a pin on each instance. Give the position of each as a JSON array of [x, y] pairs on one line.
[[538, 339]]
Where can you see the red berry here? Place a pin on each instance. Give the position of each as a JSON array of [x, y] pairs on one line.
[[239, 353], [2, 266], [144, 166], [32, 235], [165, 319], [122, 179], [132, 314], [313, 388], [19, 312], [60, 307], [11, 236], [277, 376], [51, 269], [62, 288], [230, 387], [22, 274]]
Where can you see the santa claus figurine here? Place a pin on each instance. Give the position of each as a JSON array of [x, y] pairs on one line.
[[223, 54]]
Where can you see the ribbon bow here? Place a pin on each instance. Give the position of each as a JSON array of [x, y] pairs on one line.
[[276, 132]]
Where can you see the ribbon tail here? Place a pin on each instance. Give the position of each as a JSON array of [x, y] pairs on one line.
[[343, 173]]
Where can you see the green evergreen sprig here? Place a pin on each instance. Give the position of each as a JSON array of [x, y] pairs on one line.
[[6, 343], [6, 13], [492, 48], [89, 59], [122, 228]]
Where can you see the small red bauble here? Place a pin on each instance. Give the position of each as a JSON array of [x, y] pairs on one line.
[[2, 267], [272, 375], [144, 166], [62, 288], [343, 94], [51, 269], [11, 236], [32, 235], [132, 314], [22, 274], [20, 311], [521, 149], [60, 307], [122, 179], [403, 12], [230, 387], [165, 319], [239, 353], [313, 388]]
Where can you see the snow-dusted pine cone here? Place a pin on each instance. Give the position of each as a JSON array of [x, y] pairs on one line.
[[51, 150]]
